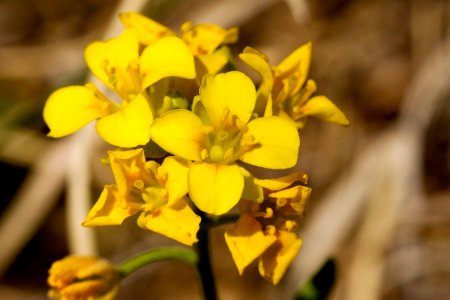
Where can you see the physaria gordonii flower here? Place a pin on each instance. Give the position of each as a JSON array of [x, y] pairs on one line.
[[119, 64], [266, 230], [83, 277], [285, 90], [221, 132], [204, 41], [156, 192]]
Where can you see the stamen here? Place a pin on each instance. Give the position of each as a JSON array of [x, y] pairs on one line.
[[204, 154], [281, 202], [139, 184]]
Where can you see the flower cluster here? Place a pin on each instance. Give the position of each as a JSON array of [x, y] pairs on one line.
[[188, 127]]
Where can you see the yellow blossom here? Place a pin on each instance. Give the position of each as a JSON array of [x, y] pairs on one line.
[[285, 89], [156, 192], [204, 41], [83, 277], [266, 230], [220, 132], [124, 68]]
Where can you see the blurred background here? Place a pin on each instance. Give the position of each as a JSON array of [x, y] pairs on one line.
[[378, 224]]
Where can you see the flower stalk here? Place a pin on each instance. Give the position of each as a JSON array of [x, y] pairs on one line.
[[156, 255]]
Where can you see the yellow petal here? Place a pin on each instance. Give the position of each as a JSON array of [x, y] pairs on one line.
[[215, 188], [128, 127], [148, 30], [176, 172], [322, 107], [214, 62], [179, 132], [297, 199], [111, 208], [275, 261], [279, 143], [205, 38], [251, 191], [232, 92], [70, 108], [275, 184], [247, 241], [176, 221], [258, 62], [114, 54], [166, 57], [297, 63], [128, 166]]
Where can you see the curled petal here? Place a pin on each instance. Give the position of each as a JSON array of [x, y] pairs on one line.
[[322, 107], [215, 188], [275, 261], [148, 30], [276, 184], [176, 221], [128, 127], [247, 241], [278, 142], [297, 63], [168, 56], [110, 209], [179, 132], [258, 62], [232, 92], [70, 108], [205, 38]]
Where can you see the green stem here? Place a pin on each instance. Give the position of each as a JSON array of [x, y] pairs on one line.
[[155, 255]]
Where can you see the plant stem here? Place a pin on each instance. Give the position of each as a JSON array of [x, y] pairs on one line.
[[204, 264], [155, 255]]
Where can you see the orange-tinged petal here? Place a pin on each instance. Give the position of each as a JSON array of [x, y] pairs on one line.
[[179, 132], [168, 56], [128, 127], [275, 261], [128, 166], [297, 199], [278, 141], [232, 92], [148, 30], [70, 108], [297, 63], [215, 188], [110, 209], [247, 241], [322, 107], [176, 221], [275, 184], [176, 172]]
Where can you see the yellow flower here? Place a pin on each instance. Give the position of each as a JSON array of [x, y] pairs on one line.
[[285, 90], [156, 192], [204, 41], [119, 64], [266, 230], [218, 133], [83, 277], [149, 31]]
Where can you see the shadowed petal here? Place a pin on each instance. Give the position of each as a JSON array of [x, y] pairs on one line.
[[215, 188], [278, 141], [247, 241], [128, 127]]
